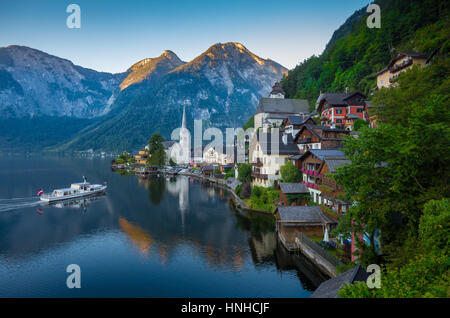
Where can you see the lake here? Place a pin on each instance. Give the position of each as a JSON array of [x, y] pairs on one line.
[[161, 237]]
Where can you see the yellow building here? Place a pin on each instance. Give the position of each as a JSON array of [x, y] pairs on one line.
[[141, 157], [402, 62]]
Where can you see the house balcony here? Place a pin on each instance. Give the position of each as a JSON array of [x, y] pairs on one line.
[[311, 185], [311, 172], [398, 67], [258, 163], [259, 175]]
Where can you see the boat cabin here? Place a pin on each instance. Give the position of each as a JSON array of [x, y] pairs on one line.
[[64, 192], [80, 186]]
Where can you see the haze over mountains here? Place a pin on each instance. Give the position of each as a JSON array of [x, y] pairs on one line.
[[116, 112]]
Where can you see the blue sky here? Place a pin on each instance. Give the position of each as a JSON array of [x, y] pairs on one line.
[[115, 34]]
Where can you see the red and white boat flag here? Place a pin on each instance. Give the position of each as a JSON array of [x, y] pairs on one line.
[[40, 192]]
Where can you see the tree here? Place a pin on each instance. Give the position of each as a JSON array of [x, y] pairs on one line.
[[172, 162], [158, 158], [155, 143], [157, 153], [245, 172], [426, 274], [397, 168], [359, 123], [289, 173]]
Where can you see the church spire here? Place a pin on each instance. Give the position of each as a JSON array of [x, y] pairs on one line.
[[183, 122]]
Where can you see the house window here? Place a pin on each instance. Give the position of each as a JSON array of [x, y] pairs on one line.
[[339, 121], [359, 110], [381, 82], [338, 111]]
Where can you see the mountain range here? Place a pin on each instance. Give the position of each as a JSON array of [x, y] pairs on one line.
[[48, 102]]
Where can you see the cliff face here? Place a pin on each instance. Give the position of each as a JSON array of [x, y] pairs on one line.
[[35, 83]]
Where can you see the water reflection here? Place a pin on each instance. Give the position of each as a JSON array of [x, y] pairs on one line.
[[78, 203], [156, 189], [167, 232], [179, 187]]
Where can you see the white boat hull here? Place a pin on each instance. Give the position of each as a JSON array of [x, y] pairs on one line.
[[51, 198]]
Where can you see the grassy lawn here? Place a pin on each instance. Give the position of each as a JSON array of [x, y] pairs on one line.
[[265, 199], [332, 251]]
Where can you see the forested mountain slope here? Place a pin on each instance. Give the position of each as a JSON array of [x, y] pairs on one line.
[[355, 52]]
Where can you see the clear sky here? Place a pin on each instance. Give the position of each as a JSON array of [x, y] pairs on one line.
[[115, 34]]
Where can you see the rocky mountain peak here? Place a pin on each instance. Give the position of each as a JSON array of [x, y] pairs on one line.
[[151, 68]]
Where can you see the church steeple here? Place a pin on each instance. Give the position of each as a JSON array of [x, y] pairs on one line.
[[185, 139], [183, 121], [277, 91]]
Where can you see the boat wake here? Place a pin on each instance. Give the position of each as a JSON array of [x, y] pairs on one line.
[[18, 203]]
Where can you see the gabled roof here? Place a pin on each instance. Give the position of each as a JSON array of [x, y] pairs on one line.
[[337, 99], [293, 188], [330, 288], [292, 215], [318, 130], [335, 162], [322, 153], [282, 105], [168, 144], [399, 56], [268, 147], [298, 120]]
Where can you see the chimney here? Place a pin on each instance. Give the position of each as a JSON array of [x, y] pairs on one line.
[[284, 139], [346, 90]]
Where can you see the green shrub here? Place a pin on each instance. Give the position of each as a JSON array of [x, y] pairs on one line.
[[238, 190], [289, 173], [229, 174]]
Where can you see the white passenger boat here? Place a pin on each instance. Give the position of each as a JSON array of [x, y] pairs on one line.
[[76, 190]]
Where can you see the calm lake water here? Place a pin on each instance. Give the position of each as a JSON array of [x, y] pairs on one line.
[[163, 237]]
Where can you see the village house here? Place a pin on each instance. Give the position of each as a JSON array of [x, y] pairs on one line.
[[214, 156], [400, 63], [268, 152], [331, 192], [272, 111], [310, 163], [208, 171], [142, 156], [319, 137], [292, 124], [333, 108], [309, 220], [293, 194]]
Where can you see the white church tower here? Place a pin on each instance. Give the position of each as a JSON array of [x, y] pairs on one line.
[[185, 140]]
